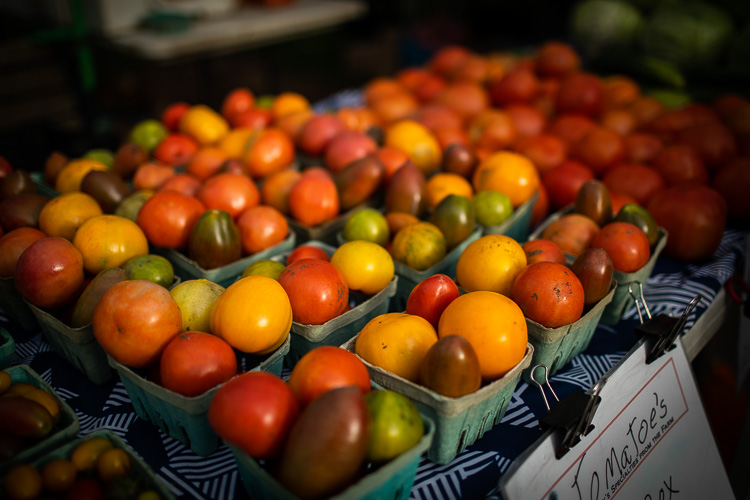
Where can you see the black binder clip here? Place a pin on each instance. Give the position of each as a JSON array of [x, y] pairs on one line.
[[663, 329], [572, 416]]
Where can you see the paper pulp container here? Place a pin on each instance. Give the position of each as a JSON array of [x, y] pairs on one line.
[[7, 347], [517, 226], [14, 307], [393, 480], [325, 232], [139, 471], [459, 422], [555, 347], [225, 275], [338, 330], [66, 427], [408, 278], [185, 418]]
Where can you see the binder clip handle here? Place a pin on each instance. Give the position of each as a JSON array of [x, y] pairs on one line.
[[665, 330], [546, 383]]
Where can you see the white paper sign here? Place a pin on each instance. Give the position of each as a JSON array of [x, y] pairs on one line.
[[651, 440]]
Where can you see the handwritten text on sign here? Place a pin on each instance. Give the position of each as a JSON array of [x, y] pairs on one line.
[[602, 470]]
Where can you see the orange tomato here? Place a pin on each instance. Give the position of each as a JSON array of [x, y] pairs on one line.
[[549, 293], [491, 263], [203, 124], [392, 159], [420, 245], [184, 183], [233, 193], [109, 241], [467, 98], [442, 184], [314, 199], [492, 129], [237, 101], [572, 232], [381, 87], [151, 175], [261, 227], [63, 215], [510, 173], [175, 149], [417, 141], [268, 151], [493, 324], [276, 187], [206, 162], [71, 175], [253, 315], [288, 103], [325, 368], [626, 244], [235, 142], [396, 342], [391, 108]]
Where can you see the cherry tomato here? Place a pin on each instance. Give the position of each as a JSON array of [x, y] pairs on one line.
[[431, 296], [112, 464]]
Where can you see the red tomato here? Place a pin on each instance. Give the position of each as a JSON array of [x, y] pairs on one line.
[[619, 200], [261, 227], [600, 149], [175, 149], [541, 207], [431, 296], [173, 113], [556, 59], [168, 217], [637, 181], [317, 290], [563, 182], [12, 245], [541, 250], [237, 101], [314, 200], [184, 183], [519, 85], [732, 181], [269, 151], [642, 147], [325, 368], [194, 362], [580, 92], [694, 216], [307, 252], [254, 411], [680, 163], [571, 127], [234, 193], [546, 151], [256, 118], [548, 293], [713, 141], [528, 119], [625, 243]]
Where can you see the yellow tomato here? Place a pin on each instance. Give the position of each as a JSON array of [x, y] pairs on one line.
[[70, 177], [109, 241], [442, 184], [396, 342], [490, 263], [367, 266], [86, 454], [58, 475], [112, 464], [64, 214], [235, 142], [203, 124], [420, 245], [23, 482], [418, 142], [510, 173], [253, 315]]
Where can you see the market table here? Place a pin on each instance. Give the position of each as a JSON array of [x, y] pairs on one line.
[[473, 473]]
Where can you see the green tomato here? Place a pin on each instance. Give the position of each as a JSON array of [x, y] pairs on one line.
[[150, 267], [148, 133], [104, 156], [264, 267], [367, 224], [492, 207], [395, 425]]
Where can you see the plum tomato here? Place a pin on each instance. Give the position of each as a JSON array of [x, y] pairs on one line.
[[431, 296]]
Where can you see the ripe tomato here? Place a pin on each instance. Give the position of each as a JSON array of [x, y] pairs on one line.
[[314, 200], [546, 151], [233, 193], [571, 127], [694, 216], [642, 147], [580, 92], [206, 162], [237, 101], [564, 181], [307, 252], [317, 290], [680, 163], [549, 293], [12, 245], [107, 241], [557, 59], [254, 411], [490, 263], [194, 362], [112, 464], [732, 181], [528, 119], [168, 217], [175, 149], [541, 250], [637, 181], [625, 243], [184, 183], [431, 296], [519, 85], [572, 232], [366, 266], [135, 320], [600, 149], [714, 142], [325, 368], [268, 151], [172, 114], [253, 118], [261, 227]]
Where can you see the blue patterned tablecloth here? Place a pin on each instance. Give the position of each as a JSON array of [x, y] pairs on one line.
[[473, 474]]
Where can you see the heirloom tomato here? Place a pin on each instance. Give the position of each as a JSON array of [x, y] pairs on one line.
[[317, 290], [168, 217], [325, 368], [307, 252], [234, 193], [431, 296], [194, 362], [625, 243], [549, 293]]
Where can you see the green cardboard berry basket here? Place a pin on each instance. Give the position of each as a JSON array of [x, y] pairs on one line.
[[393, 480], [408, 278], [140, 471], [14, 307], [518, 225], [66, 427], [77, 345], [7, 347], [459, 422], [555, 347], [341, 328], [186, 418], [325, 232], [225, 275]]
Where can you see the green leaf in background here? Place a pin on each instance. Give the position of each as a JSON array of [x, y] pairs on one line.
[[605, 27]]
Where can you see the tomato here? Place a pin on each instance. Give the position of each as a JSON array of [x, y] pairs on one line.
[[254, 411], [58, 475], [519, 85], [112, 464], [307, 252], [168, 217], [325, 368], [175, 149], [64, 214], [86, 454], [237, 101], [254, 118], [107, 241], [600, 149], [22, 482], [626, 244], [580, 92], [431, 296], [172, 114], [714, 141], [275, 189], [233, 193], [268, 151], [547, 151], [203, 124], [549, 293], [572, 232], [318, 132], [680, 163], [135, 320], [541, 250], [419, 246], [49, 273], [563, 182], [732, 181], [367, 224], [194, 362], [12, 245], [184, 183], [261, 227], [490, 263], [638, 181], [694, 216], [556, 59], [571, 127], [366, 266], [151, 175], [528, 120], [642, 147], [317, 290], [314, 200]]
